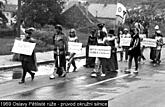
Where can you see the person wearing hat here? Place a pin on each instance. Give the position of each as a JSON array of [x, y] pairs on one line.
[[92, 40], [29, 63], [100, 34], [156, 27], [60, 42], [102, 27], [110, 65], [159, 44], [153, 49], [72, 38], [126, 34]]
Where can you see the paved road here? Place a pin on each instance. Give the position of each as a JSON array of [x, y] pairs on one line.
[[121, 90]]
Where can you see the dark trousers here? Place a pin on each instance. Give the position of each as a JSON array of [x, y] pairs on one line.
[[26, 68], [71, 63], [62, 62], [142, 55], [130, 61], [158, 55], [126, 52], [104, 64]]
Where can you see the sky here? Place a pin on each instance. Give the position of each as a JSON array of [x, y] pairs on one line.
[[12, 1]]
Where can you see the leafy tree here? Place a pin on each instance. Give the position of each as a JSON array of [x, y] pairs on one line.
[[41, 12]]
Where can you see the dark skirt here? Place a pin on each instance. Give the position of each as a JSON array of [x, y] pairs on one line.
[[109, 64], [90, 61], [31, 66], [153, 54]]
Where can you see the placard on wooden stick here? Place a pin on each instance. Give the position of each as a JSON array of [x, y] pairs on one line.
[[125, 41], [100, 51], [74, 47], [22, 47], [149, 42]]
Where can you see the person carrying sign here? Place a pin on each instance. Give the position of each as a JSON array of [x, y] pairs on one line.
[[60, 42], [153, 49], [92, 40], [72, 38], [126, 34], [29, 63], [159, 44], [110, 64], [100, 36]]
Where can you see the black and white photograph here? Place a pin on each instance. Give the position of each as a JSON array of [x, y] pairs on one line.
[[82, 53]]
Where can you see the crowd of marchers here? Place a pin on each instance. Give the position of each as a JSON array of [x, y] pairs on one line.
[[98, 37]]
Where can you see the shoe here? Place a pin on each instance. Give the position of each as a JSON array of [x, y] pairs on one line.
[[86, 66], [102, 75], [32, 76], [120, 60], [64, 74], [135, 72], [21, 82], [154, 64], [74, 70], [115, 71], [127, 71], [158, 62], [93, 74], [52, 77]]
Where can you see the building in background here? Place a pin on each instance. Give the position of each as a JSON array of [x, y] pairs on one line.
[[9, 11]]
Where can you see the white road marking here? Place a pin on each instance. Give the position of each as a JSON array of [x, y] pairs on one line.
[[101, 92], [100, 82]]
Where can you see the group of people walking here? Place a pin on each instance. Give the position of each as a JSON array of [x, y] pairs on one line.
[[60, 42], [133, 51], [98, 37]]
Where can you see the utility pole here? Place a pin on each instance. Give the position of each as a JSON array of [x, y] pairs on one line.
[[16, 57], [18, 18]]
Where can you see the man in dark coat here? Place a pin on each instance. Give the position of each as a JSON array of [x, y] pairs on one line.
[[92, 40], [60, 42], [28, 62]]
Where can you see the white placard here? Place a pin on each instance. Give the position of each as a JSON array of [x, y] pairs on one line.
[[100, 51], [74, 47], [147, 42], [163, 40], [125, 41], [142, 35], [22, 47]]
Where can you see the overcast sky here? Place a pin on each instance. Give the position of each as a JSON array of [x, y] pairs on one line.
[[13, 1]]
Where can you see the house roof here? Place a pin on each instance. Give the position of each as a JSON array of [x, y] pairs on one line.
[[10, 8], [103, 10], [78, 16]]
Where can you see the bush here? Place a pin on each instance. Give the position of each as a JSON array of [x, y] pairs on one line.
[[44, 36], [7, 33]]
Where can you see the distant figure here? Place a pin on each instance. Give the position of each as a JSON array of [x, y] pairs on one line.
[[159, 44], [29, 63], [153, 49]]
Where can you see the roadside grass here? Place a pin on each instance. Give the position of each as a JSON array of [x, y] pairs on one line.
[[45, 39], [6, 43]]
